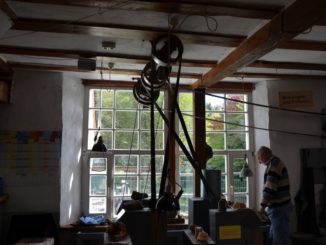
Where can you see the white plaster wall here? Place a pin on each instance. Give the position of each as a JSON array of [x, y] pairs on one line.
[[36, 106], [36, 103], [287, 146], [261, 120], [72, 109]]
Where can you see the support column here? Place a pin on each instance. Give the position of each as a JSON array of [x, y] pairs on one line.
[[199, 134]]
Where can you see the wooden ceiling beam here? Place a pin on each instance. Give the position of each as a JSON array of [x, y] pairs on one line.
[[180, 7], [111, 57], [124, 31], [277, 76], [303, 45], [67, 68], [288, 65], [295, 18], [7, 10]]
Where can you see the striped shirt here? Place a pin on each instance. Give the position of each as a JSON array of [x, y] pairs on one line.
[[276, 190]]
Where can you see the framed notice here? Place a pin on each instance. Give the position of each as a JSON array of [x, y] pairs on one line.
[[296, 99]]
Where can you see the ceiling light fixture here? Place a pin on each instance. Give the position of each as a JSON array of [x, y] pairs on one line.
[[108, 45]]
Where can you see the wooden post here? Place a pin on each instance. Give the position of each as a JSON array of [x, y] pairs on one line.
[[199, 134]]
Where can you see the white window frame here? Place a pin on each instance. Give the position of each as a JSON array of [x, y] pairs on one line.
[[110, 157]]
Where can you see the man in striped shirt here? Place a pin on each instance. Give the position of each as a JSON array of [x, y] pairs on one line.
[[276, 201]]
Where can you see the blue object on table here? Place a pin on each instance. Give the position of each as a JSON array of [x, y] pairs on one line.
[[93, 220]]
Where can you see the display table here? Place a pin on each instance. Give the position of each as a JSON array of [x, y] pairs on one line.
[[191, 240], [126, 241], [36, 241]]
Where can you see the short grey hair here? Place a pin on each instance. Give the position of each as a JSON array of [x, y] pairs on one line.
[[264, 150]]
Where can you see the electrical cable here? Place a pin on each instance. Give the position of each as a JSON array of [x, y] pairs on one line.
[[207, 18], [129, 155], [254, 127], [148, 172], [51, 27], [265, 106]]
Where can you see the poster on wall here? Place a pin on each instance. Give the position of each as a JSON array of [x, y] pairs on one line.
[[296, 99], [29, 157]]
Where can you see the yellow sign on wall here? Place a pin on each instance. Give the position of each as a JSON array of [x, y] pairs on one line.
[[296, 99], [227, 232]]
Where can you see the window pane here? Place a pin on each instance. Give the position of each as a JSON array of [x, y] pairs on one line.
[[215, 103], [107, 138], [97, 185], [241, 198], [183, 139], [97, 205], [125, 164], [125, 100], [185, 101], [98, 166], [188, 119], [216, 140], [184, 165], [126, 119], [240, 184], [236, 141], [234, 105], [238, 164], [93, 119], [94, 98], [184, 202], [235, 121], [145, 184], [217, 162], [145, 164], [107, 98], [223, 183], [125, 140], [145, 120], [124, 185], [186, 183], [145, 140], [214, 121], [106, 119]]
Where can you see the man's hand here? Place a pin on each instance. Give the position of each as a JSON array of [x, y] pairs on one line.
[[262, 210]]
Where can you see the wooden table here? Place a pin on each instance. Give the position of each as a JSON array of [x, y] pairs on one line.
[[191, 240]]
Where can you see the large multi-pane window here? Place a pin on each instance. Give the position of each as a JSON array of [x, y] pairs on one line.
[[227, 133], [124, 125], [184, 166]]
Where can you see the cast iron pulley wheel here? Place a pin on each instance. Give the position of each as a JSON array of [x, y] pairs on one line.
[[142, 95], [166, 50], [149, 77]]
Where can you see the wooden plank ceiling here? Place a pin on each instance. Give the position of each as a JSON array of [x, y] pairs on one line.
[[278, 27]]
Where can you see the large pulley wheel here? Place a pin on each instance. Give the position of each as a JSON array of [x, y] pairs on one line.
[[166, 50], [157, 78], [142, 95]]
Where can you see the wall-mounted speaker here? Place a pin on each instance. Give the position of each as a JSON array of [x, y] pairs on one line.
[[86, 64]]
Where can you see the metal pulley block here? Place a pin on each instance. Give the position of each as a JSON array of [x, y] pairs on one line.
[[143, 95], [151, 76], [166, 50]]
